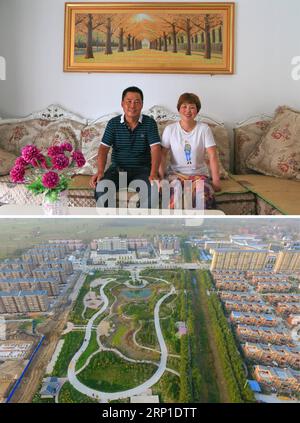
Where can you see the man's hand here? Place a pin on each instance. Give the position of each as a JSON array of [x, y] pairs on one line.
[[216, 184], [95, 178]]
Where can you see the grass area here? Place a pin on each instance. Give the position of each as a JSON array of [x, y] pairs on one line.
[[89, 312], [203, 362], [147, 335], [227, 352], [118, 335], [138, 311], [73, 341], [168, 388], [173, 363], [68, 394], [109, 373], [17, 235], [92, 347], [169, 331], [76, 314]]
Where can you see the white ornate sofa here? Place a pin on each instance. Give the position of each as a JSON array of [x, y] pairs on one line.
[[243, 193]]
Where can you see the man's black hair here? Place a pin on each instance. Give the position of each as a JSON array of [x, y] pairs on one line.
[[132, 90]]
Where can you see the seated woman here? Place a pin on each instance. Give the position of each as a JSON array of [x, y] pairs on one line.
[[187, 141]]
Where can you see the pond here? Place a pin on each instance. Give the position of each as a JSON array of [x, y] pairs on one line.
[[137, 293]]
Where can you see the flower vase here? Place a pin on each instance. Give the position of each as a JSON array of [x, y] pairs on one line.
[[58, 206]]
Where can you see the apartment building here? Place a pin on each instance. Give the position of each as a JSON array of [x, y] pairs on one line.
[[23, 301], [240, 296], [287, 308], [287, 261], [284, 380], [255, 279], [253, 319], [232, 285], [15, 273], [71, 244], [12, 264], [293, 320], [273, 287], [62, 265], [30, 284], [269, 354], [46, 273], [263, 334], [282, 298], [246, 306], [241, 259]]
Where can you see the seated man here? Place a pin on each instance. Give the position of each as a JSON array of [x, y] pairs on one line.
[[135, 146]]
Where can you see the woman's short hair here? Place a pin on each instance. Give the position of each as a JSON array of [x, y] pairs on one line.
[[189, 98]]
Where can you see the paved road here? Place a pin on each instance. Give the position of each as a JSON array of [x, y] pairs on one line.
[[105, 396]]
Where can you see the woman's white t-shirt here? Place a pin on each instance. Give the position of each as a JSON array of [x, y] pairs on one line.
[[187, 149]]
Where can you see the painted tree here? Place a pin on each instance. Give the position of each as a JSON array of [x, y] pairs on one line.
[[86, 24], [171, 21], [206, 23]]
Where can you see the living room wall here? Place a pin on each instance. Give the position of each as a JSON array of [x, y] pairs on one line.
[[32, 40]]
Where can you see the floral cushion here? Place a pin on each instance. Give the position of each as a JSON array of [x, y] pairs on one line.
[[6, 161], [40, 132], [91, 137], [14, 136], [246, 138], [278, 153]]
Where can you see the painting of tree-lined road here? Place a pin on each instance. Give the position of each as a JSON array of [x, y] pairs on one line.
[[153, 40]]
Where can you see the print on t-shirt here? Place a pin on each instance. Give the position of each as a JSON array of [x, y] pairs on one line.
[[188, 152]]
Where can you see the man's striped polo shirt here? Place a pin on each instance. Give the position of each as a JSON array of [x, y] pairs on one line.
[[131, 148]]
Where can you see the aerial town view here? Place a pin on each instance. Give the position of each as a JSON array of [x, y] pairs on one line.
[[150, 311]]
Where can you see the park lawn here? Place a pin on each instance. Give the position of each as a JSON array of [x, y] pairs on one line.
[[174, 363], [150, 57], [168, 388], [170, 331], [147, 335], [92, 347], [68, 394], [118, 335], [89, 312], [108, 372], [138, 311], [73, 341]]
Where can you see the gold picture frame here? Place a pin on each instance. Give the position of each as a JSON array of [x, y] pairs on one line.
[[190, 38]]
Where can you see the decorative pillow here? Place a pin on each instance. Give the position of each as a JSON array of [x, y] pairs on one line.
[[7, 161], [15, 135], [221, 137], [91, 137], [278, 153], [246, 138], [42, 133], [55, 132], [223, 172]]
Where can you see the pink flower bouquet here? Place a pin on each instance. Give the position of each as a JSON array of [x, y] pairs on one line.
[[49, 172]]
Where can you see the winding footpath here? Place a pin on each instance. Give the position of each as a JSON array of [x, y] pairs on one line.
[[106, 396]]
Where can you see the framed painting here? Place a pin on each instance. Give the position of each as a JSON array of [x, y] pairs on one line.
[[149, 37]]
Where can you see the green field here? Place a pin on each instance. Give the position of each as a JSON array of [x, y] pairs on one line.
[[68, 394], [109, 373], [18, 235], [73, 341], [92, 347]]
